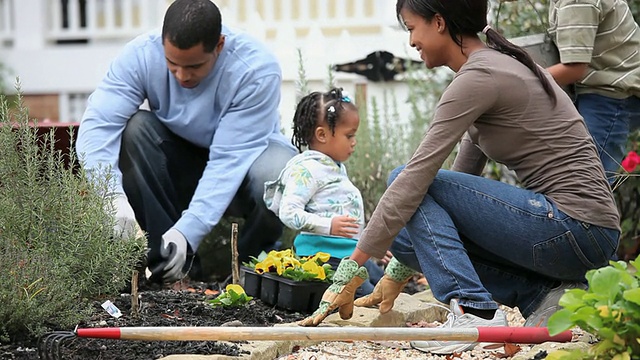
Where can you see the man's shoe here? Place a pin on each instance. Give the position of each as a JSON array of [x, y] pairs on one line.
[[549, 305], [458, 319]]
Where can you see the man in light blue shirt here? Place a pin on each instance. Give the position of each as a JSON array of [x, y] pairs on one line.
[[206, 147]]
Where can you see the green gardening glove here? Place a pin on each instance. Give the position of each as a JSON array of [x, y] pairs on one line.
[[347, 278], [396, 276]]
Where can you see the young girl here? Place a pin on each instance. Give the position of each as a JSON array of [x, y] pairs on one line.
[[313, 193]]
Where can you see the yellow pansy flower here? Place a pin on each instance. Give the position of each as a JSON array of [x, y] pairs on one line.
[[290, 262], [236, 288], [313, 268], [280, 254], [279, 266], [265, 265], [319, 256]]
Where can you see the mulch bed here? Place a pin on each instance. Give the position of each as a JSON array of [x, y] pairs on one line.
[[162, 307]]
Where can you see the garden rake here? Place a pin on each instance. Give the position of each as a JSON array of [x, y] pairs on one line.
[[49, 346]]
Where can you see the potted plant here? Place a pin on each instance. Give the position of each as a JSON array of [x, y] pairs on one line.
[[288, 281], [609, 309]]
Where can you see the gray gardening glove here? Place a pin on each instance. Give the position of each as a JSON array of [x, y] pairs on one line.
[[346, 280], [173, 249], [126, 226], [396, 276]]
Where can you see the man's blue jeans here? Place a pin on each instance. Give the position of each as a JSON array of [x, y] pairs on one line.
[[160, 172], [609, 121], [483, 241]]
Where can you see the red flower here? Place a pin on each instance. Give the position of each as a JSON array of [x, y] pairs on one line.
[[631, 161]]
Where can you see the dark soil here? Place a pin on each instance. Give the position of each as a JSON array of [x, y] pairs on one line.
[[162, 307], [158, 307]]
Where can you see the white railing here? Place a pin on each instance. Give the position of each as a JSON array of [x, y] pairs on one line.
[[324, 31], [6, 21], [302, 13], [102, 19], [120, 20], [112, 19]]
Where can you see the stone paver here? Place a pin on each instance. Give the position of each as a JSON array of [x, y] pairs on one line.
[[407, 309]]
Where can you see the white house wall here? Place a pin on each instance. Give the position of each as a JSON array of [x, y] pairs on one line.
[[28, 49]]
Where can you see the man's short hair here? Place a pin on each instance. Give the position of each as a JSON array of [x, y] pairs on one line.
[[188, 23]]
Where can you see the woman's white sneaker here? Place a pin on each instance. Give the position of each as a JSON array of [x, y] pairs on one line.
[[458, 319]]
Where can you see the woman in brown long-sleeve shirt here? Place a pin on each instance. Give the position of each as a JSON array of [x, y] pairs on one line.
[[480, 242]]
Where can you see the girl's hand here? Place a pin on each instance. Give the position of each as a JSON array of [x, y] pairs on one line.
[[344, 226]]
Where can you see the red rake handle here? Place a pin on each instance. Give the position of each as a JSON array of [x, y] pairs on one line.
[[522, 335]]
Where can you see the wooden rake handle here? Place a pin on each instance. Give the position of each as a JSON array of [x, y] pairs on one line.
[[521, 335]]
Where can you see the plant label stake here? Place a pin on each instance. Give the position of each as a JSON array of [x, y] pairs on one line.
[[235, 269], [134, 294]]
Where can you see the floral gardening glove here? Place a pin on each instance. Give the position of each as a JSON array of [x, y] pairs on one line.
[[347, 278], [396, 276]]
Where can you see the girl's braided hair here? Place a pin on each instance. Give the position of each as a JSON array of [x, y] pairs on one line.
[[312, 110]]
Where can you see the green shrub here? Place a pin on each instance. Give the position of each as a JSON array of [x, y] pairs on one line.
[[609, 309], [518, 18], [55, 236]]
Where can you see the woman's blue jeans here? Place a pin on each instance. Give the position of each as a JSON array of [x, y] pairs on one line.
[[609, 121], [483, 241], [160, 172]]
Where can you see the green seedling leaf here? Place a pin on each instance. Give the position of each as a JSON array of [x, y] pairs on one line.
[[607, 334], [636, 264], [560, 321], [233, 296], [620, 265], [572, 299], [632, 295], [297, 274], [589, 316], [605, 281]]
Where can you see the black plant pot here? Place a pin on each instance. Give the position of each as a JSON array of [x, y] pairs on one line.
[[252, 282], [300, 296]]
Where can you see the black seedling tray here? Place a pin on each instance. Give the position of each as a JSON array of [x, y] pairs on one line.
[[301, 296]]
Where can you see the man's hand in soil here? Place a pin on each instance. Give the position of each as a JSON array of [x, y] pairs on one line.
[[347, 278], [396, 276], [126, 225], [173, 249]]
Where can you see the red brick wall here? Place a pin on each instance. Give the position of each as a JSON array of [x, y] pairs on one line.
[[45, 106]]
